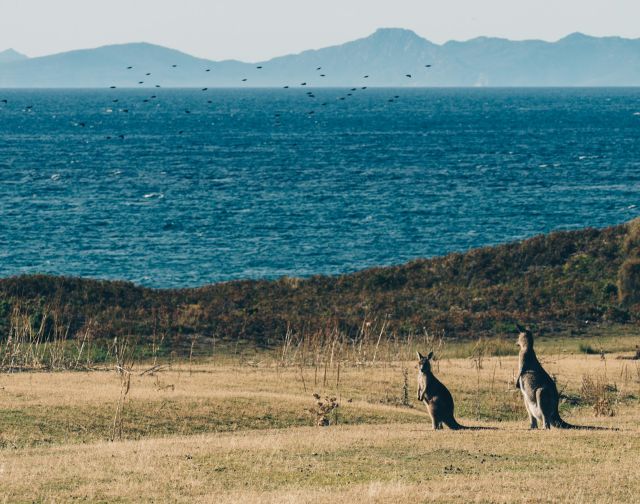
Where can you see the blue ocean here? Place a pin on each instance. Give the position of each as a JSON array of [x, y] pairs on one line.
[[178, 188]]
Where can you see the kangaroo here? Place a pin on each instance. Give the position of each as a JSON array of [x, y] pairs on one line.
[[538, 389], [435, 396]]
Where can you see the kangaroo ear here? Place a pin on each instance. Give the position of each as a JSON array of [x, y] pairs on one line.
[[430, 356], [420, 356], [520, 328]]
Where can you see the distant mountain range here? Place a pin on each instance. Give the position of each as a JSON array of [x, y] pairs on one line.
[[386, 56]]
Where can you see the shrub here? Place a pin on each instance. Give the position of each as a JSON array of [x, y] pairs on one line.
[[629, 281], [599, 394], [631, 244]]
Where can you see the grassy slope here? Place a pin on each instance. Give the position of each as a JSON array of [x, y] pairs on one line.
[[554, 281], [233, 431]]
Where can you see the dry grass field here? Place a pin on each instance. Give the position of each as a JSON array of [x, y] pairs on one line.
[[240, 429]]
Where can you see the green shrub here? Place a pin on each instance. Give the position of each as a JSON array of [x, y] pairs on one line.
[[631, 244], [629, 281]]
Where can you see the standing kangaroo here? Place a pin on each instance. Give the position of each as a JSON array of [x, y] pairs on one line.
[[435, 396], [538, 389]]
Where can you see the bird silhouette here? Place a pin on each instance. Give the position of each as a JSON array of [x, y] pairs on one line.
[[129, 68], [259, 67], [244, 80], [427, 66], [408, 75]]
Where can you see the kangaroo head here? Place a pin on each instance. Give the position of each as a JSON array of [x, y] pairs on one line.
[[525, 338], [424, 363]]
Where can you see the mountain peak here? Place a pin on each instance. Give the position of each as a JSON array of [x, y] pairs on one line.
[[395, 34], [576, 37], [11, 55]]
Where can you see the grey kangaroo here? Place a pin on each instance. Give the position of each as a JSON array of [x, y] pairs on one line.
[[435, 396], [538, 389]]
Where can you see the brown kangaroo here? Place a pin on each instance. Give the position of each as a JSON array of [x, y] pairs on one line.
[[538, 389], [435, 396]]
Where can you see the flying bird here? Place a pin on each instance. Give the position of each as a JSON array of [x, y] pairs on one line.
[[319, 68], [408, 75], [244, 80], [259, 67], [112, 87], [427, 66], [148, 74], [303, 84], [174, 66], [129, 67]]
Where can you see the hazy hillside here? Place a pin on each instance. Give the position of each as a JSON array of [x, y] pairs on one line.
[[9, 56], [565, 279], [386, 57]]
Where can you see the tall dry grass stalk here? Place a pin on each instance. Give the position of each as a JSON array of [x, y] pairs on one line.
[[44, 343], [372, 343], [123, 352]]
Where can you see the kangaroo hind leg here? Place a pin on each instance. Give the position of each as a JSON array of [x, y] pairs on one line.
[[546, 407]]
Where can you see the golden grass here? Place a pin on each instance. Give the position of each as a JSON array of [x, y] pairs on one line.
[[241, 432]]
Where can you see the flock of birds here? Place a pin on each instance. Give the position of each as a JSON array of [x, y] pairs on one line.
[[319, 72]]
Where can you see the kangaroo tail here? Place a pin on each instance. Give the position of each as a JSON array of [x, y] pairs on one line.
[[561, 424], [453, 424]]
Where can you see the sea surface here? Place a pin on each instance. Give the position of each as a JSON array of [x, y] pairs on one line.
[[254, 185]]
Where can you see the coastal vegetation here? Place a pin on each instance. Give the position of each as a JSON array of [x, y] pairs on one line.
[[567, 282]]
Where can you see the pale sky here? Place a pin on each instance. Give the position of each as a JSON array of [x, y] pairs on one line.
[[253, 30]]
